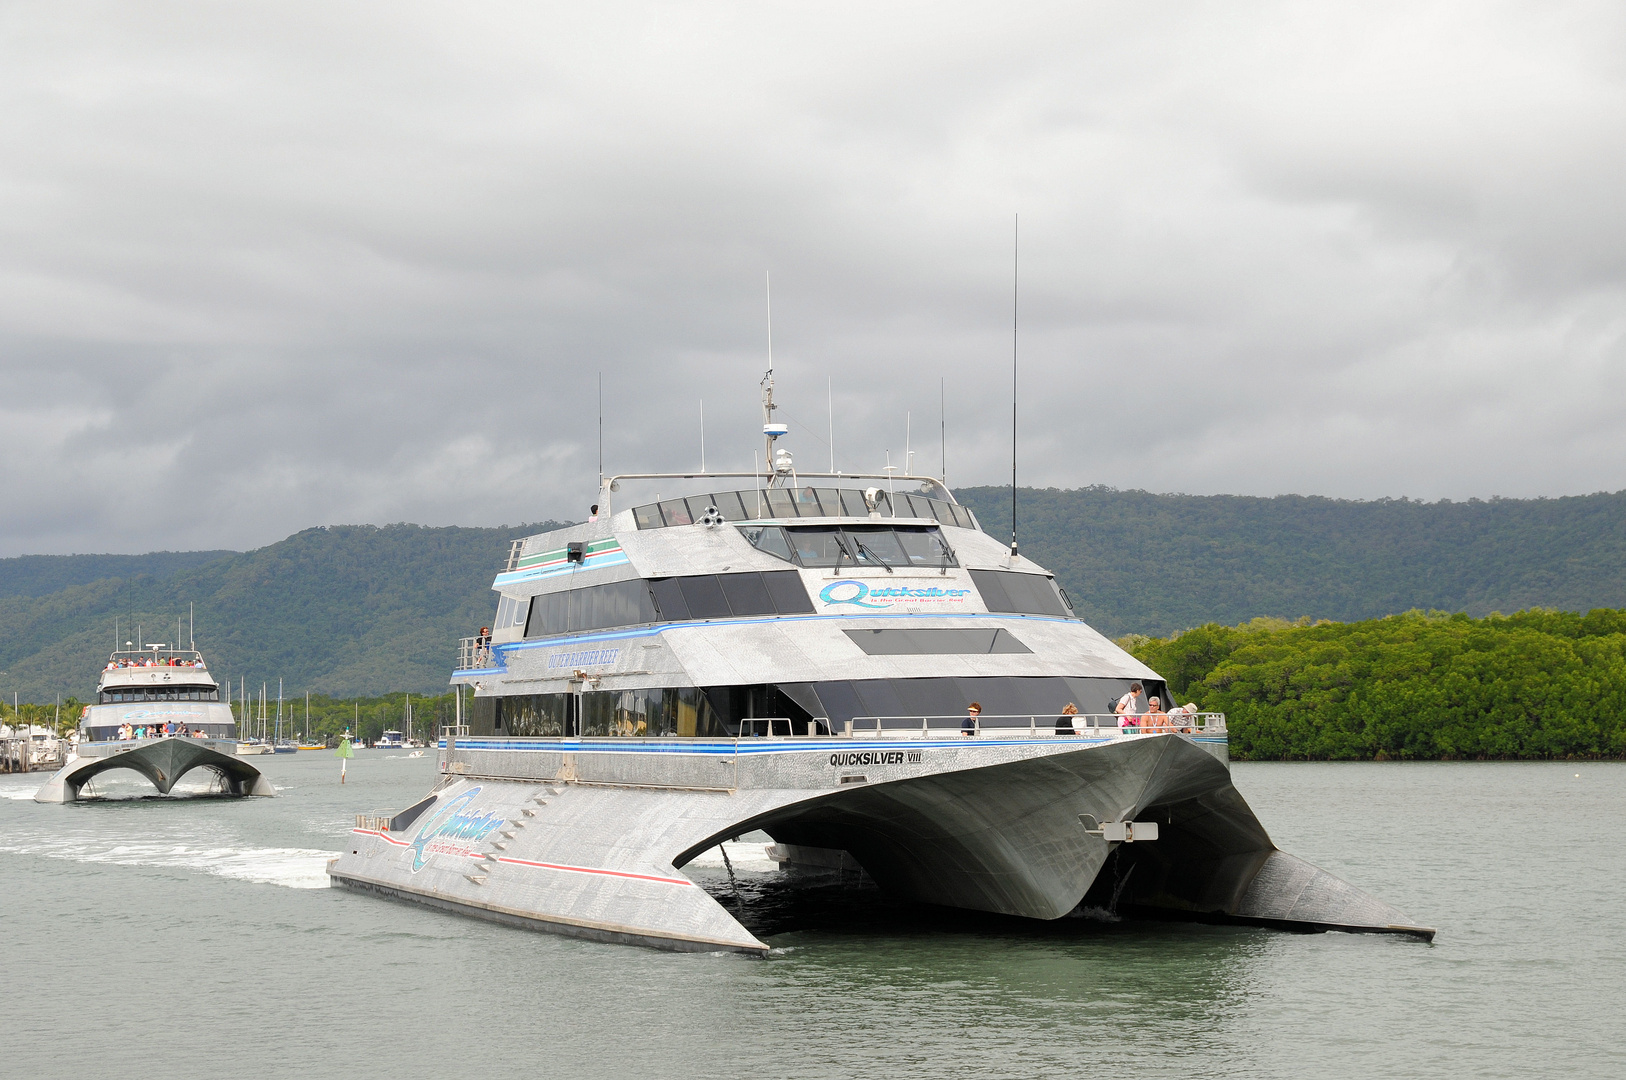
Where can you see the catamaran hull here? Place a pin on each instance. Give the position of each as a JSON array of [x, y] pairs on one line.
[[163, 761], [588, 837]]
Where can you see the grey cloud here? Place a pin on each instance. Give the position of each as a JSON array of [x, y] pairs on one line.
[[263, 267]]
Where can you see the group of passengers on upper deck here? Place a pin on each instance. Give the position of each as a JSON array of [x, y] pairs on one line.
[[1150, 717], [156, 731], [148, 661], [1135, 712]]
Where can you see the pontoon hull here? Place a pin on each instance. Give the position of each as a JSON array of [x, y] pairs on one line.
[[163, 761], [587, 837]]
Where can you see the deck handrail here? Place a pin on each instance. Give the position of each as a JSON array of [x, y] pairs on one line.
[[1040, 723], [471, 654], [784, 729]]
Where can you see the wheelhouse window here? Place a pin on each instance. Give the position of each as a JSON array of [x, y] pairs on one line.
[[802, 502], [822, 546], [121, 694]]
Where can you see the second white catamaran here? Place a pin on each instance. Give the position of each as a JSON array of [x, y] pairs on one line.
[[796, 654]]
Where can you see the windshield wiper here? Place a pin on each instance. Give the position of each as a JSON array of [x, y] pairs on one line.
[[844, 552], [864, 549]]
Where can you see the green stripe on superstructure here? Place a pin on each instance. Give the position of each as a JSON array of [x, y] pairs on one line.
[[595, 547]]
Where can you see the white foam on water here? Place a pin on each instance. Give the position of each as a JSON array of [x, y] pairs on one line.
[[743, 855], [292, 868]]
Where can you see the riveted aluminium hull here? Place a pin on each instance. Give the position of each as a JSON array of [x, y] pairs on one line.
[[587, 837]]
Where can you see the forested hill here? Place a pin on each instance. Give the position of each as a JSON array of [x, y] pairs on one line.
[[37, 575], [365, 610], [344, 610], [1135, 562]]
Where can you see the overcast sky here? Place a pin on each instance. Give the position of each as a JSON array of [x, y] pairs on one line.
[[268, 266]]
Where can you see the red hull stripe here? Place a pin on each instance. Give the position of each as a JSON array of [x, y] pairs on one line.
[[384, 836], [388, 839], [596, 870]]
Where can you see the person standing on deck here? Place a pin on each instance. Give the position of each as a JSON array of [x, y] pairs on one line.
[[1131, 705], [968, 726]]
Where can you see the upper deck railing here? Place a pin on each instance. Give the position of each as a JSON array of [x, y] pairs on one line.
[[154, 656], [473, 652], [1092, 724]]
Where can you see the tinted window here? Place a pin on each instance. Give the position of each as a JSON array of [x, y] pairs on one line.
[[746, 594], [916, 505], [669, 598], [820, 546], [925, 547], [676, 512], [936, 642], [530, 715], [728, 503], [619, 603], [1025, 594], [852, 503], [769, 538], [781, 504], [550, 614], [788, 594], [875, 547], [647, 517], [853, 545], [991, 584], [1017, 698], [721, 596], [705, 597]]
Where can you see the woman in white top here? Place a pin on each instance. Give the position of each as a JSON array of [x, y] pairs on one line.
[[1130, 705]]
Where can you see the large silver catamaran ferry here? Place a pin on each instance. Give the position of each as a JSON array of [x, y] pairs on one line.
[[157, 712], [796, 654]]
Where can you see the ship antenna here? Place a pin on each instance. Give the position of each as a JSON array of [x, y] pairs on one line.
[[601, 430], [702, 436], [770, 430], [830, 404], [1016, 263], [942, 429]]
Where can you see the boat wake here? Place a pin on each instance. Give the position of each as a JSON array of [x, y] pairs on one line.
[[292, 868]]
